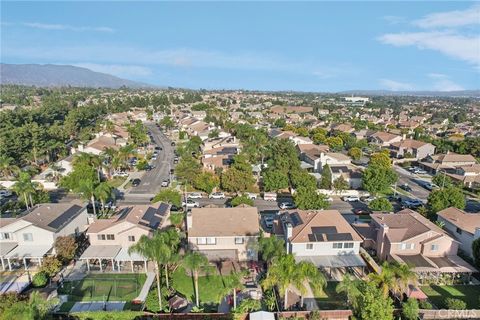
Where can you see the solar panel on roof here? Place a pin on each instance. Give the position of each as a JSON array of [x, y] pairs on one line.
[[339, 237], [64, 218]]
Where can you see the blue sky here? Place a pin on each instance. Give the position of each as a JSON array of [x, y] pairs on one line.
[[307, 46]]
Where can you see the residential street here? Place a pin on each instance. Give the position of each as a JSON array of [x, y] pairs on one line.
[[406, 177]]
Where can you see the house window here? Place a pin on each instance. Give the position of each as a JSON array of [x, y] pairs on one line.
[[110, 237], [348, 245], [201, 240], [434, 247], [309, 246], [100, 236], [131, 238], [211, 240], [239, 240], [407, 246], [27, 237], [459, 231], [4, 236], [337, 245]]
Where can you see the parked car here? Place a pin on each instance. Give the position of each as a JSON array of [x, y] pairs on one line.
[[367, 199], [350, 198], [270, 196], [110, 205], [411, 203], [154, 157], [359, 211], [428, 185], [406, 187], [394, 198], [136, 182], [194, 195], [190, 204], [420, 171], [172, 144], [120, 174], [287, 205], [252, 196], [165, 183], [217, 195], [175, 160], [268, 221], [172, 171]]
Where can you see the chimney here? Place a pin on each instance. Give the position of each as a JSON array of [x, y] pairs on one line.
[[189, 220], [381, 234], [288, 230], [404, 136]]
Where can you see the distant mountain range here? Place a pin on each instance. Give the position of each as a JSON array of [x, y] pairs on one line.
[[461, 93], [50, 75]]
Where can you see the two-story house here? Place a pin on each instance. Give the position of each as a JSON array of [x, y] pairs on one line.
[[410, 148], [224, 233], [384, 139], [28, 238], [408, 237], [447, 162], [111, 238], [322, 237], [465, 227]]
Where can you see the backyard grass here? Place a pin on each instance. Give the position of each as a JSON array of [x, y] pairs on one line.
[[97, 287], [329, 299], [210, 287], [468, 293], [116, 182], [66, 306]]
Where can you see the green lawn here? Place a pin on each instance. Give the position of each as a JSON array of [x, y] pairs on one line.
[[96, 287], [468, 293], [210, 287], [116, 182], [329, 299]]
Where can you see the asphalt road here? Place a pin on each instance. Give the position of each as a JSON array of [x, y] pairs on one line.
[[151, 180], [406, 177]]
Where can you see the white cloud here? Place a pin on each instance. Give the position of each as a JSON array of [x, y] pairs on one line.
[[457, 18], [47, 26], [466, 48], [395, 85], [123, 71], [442, 82]]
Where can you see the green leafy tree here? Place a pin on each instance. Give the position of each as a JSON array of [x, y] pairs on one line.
[[476, 252], [378, 179], [50, 265], [444, 198], [326, 182], [285, 272], [33, 309], [301, 178], [239, 177], [455, 304], [271, 248], [350, 286], [442, 180], [188, 169], [373, 305], [166, 122], [65, 247], [340, 184], [335, 143], [319, 138], [170, 196], [243, 199], [103, 192], [310, 199], [206, 181], [24, 187], [7, 168], [410, 309], [381, 204], [380, 159], [274, 180], [355, 153], [195, 261]]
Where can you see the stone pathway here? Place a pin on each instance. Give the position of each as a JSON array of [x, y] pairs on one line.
[[98, 306], [146, 287]]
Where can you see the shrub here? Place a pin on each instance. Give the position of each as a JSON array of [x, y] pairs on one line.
[[455, 304], [65, 247], [424, 304], [50, 265], [410, 309], [238, 200], [40, 279]]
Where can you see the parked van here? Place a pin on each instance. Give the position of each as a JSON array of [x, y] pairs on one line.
[[270, 196]]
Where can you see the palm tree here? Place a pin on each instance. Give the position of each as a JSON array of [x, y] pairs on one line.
[[405, 276], [271, 248], [155, 250], [171, 241], [25, 187], [285, 272], [56, 169], [386, 279], [87, 189], [350, 286], [7, 169], [103, 192], [233, 282], [195, 261]]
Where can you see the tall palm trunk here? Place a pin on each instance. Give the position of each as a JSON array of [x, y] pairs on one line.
[[94, 206], [195, 279], [157, 271], [285, 304], [26, 200], [166, 276], [31, 200], [234, 298]]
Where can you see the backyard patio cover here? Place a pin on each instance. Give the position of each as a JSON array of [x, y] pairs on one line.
[[22, 251], [338, 261], [101, 252], [123, 255], [6, 247], [262, 315]]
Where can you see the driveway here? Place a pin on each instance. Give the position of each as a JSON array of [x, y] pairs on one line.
[[151, 180]]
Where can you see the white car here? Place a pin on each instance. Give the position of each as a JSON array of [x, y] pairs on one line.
[[350, 198], [154, 157], [190, 204], [194, 195], [120, 174], [287, 205], [217, 195], [251, 196]]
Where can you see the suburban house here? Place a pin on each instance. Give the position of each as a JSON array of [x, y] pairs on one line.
[[27, 239], [111, 238], [408, 237], [322, 237], [343, 127], [384, 139], [468, 175], [447, 162], [98, 145], [224, 233], [351, 174], [410, 148], [317, 157], [465, 227]]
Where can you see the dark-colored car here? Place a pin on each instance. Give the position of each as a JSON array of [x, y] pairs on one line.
[[173, 144], [172, 171], [359, 211], [406, 187], [136, 182]]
